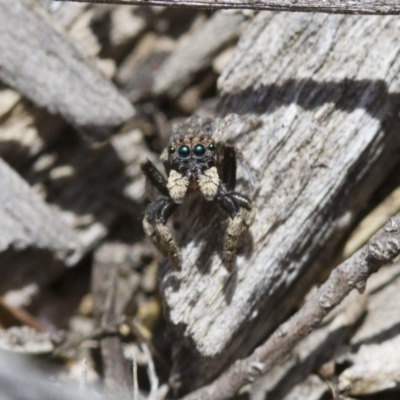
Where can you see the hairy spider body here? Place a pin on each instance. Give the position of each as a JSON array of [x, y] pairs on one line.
[[194, 161]]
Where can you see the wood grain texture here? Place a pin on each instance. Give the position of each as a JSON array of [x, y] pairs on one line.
[[316, 349], [196, 53], [352, 274], [91, 186], [316, 119], [25, 229], [40, 62], [377, 336], [326, 6]]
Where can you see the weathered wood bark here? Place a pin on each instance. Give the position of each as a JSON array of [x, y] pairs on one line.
[[374, 355], [23, 378], [320, 346], [197, 53], [382, 249], [105, 288], [114, 281], [40, 62], [28, 242], [316, 119], [92, 186]]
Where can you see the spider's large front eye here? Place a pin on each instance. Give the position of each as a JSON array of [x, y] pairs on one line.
[[199, 150], [184, 151]]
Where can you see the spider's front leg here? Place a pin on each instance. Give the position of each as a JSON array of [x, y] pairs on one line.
[[242, 214], [154, 221], [157, 214], [238, 206]]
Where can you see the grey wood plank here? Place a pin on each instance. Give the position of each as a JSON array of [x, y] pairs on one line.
[[315, 116], [39, 61], [32, 231]]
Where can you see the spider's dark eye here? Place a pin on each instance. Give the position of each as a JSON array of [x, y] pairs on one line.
[[199, 150], [184, 151], [212, 146], [171, 149]]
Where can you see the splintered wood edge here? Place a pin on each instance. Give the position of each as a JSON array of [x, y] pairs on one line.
[[90, 102]]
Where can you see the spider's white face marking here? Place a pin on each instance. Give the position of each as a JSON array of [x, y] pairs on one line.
[[209, 183], [177, 186]]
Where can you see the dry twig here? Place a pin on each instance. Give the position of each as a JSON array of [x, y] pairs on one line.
[[384, 7], [382, 248], [151, 371], [135, 379], [84, 379]]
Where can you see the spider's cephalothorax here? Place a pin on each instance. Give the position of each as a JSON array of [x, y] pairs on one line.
[[194, 161]]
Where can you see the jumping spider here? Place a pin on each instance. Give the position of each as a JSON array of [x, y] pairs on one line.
[[194, 161]]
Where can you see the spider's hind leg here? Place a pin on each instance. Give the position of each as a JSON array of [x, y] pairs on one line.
[[154, 221]]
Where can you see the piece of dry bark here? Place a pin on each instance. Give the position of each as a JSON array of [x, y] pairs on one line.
[[376, 368], [23, 378], [28, 242], [64, 13], [113, 287], [317, 122], [372, 222], [383, 320], [137, 72], [374, 356], [126, 25], [322, 345], [125, 260], [92, 186], [27, 130], [313, 388], [26, 340], [196, 52], [40, 62], [353, 273]]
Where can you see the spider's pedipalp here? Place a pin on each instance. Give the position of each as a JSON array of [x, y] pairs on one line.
[[209, 183], [177, 186]]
